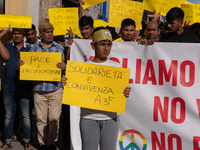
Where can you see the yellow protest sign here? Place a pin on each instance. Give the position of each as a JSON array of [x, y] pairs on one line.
[[192, 12], [181, 2], [121, 9], [196, 9], [64, 18], [40, 66], [186, 2], [15, 21], [188, 12], [96, 86], [162, 6], [100, 23], [89, 3]]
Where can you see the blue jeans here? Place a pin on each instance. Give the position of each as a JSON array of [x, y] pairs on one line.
[[10, 106]]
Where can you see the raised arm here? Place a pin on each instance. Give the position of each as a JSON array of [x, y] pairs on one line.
[[4, 53]]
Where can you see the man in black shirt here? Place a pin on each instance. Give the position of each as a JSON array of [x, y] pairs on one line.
[[177, 33]]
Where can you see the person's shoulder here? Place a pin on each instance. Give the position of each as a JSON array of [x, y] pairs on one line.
[[8, 44], [190, 36], [119, 39], [166, 37], [57, 45], [113, 63]]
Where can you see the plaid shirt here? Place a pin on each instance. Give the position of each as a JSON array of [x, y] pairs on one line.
[[47, 86]]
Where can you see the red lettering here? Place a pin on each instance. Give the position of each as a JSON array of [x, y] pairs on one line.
[[182, 110], [138, 71], [198, 106], [178, 142], [191, 73], [155, 141], [149, 69], [196, 140], [85, 58], [172, 70], [158, 107], [114, 59]]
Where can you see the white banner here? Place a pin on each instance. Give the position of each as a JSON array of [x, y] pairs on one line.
[[163, 110]]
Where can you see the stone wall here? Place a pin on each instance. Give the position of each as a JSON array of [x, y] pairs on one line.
[[45, 5]]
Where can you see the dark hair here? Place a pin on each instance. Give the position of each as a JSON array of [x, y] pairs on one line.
[[32, 28], [175, 13], [127, 22], [98, 28], [86, 20]]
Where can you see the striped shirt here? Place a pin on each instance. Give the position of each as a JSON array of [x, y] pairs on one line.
[[47, 86]]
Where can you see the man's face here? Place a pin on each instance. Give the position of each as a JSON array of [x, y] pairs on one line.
[[152, 30], [174, 25], [17, 37], [128, 33], [86, 31], [31, 36], [102, 49], [47, 36]]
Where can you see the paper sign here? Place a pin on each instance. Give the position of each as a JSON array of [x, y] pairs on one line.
[[96, 86], [121, 9], [15, 21], [162, 6], [192, 12], [40, 66], [64, 18], [181, 2], [188, 12], [100, 23], [196, 13], [186, 2], [89, 3]]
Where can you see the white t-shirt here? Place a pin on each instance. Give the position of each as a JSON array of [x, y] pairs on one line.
[[98, 114]]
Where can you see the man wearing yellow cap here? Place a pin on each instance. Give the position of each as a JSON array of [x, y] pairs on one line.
[[16, 91], [100, 127]]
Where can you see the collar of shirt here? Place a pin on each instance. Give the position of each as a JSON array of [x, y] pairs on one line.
[[24, 46], [41, 45]]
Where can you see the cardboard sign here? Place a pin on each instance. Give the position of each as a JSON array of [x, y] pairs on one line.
[[188, 10], [122, 9], [192, 12], [40, 66], [89, 3], [15, 21], [64, 18], [162, 6], [96, 86], [100, 23]]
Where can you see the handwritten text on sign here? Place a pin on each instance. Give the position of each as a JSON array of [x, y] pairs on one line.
[[162, 6], [40, 66], [15, 21], [64, 18], [121, 9], [96, 86]]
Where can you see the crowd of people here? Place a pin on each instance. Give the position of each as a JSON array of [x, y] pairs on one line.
[[96, 127]]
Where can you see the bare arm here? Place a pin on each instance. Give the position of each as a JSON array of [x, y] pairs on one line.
[[5, 55], [81, 2]]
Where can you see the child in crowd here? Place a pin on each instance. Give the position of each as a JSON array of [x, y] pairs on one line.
[[100, 127]]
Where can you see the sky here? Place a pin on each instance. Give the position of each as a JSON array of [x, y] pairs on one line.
[[194, 1]]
